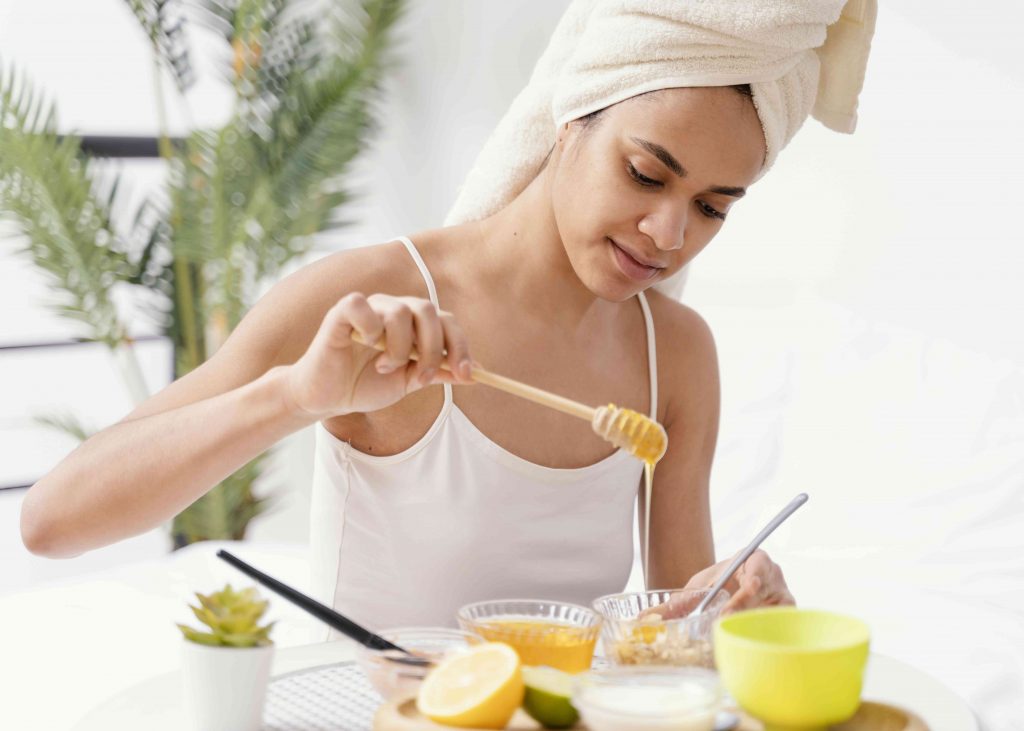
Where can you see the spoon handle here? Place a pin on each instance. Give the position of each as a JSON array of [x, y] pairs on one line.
[[751, 547]]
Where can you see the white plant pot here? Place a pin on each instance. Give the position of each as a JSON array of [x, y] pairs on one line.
[[225, 687]]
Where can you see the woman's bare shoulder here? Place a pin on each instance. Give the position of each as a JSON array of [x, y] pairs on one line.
[[385, 267], [687, 358], [284, 321], [685, 330]]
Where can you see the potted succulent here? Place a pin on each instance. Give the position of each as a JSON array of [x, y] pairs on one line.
[[226, 666]]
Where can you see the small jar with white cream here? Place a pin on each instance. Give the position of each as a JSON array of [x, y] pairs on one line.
[[648, 698]]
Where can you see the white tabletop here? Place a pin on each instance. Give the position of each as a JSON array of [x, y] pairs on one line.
[[154, 703]]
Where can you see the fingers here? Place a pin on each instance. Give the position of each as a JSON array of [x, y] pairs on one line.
[[429, 340], [352, 312], [774, 589], [760, 583], [659, 611], [458, 358], [682, 603], [398, 333], [413, 329], [747, 596]]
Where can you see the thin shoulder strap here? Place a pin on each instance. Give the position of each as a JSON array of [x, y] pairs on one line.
[[652, 354], [421, 265], [432, 293]]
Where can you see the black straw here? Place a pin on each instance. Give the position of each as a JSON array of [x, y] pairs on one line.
[[324, 613]]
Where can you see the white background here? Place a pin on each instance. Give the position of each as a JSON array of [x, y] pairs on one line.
[[865, 297]]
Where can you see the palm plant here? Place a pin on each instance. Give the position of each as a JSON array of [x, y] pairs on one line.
[[239, 203]]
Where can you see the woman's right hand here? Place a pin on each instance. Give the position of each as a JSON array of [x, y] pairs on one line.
[[337, 375]]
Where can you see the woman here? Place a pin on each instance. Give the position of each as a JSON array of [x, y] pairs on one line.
[[429, 492]]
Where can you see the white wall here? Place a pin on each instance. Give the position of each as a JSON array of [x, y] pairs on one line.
[[867, 306], [865, 298]]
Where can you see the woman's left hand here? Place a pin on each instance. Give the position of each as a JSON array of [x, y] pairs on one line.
[[758, 583]]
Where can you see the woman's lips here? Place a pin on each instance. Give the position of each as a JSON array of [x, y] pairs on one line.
[[630, 266]]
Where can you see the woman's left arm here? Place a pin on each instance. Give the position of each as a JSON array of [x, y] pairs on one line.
[[682, 546]]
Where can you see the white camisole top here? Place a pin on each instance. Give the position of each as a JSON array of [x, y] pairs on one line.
[[406, 539]]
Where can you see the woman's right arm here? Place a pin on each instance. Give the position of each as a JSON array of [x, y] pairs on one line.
[[290, 363]]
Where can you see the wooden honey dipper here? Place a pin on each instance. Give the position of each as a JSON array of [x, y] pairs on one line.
[[638, 434]]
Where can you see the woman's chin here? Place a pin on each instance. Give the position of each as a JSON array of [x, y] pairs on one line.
[[612, 288]]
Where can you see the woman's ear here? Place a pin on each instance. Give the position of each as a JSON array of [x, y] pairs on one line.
[[568, 131]]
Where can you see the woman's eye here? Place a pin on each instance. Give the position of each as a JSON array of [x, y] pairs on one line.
[[710, 212], [640, 177]]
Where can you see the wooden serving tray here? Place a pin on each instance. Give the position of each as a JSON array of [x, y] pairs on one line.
[[402, 716], [869, 717]]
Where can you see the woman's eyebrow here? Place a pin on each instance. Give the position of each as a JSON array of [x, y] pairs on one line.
[[662, 154], [728, 190], [672, 164]]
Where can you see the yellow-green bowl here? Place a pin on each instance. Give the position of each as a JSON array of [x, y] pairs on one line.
[[794, 669]]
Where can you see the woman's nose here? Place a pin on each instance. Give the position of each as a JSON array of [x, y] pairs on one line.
[[666, 227]]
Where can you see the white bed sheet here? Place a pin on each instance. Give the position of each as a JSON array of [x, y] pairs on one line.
[[912, 450]]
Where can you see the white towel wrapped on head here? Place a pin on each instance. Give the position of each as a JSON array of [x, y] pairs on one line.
[[799, 57]]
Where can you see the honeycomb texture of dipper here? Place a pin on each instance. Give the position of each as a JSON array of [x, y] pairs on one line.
[[630, 430], [637, 433]]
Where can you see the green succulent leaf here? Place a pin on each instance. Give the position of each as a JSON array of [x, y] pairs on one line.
[[203, 638], [232, 617]]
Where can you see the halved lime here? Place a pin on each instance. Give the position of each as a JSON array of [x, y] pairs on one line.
[[547, 697]]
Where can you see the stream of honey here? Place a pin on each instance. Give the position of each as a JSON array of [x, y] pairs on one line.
[[648, 488]]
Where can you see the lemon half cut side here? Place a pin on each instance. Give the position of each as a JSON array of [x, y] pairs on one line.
[[478, 688]]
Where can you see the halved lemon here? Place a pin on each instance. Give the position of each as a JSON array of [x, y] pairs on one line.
[[478, 688]]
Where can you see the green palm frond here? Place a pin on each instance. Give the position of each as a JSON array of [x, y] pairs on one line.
[[225, 511], [240, 201], [164, 26], [316, 135], [47, 188], [252, 195], [68, 424]]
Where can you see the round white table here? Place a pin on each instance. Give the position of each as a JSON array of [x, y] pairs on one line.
[[155, 705]]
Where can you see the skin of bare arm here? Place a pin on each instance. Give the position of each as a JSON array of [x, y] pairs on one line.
[[681, 537], [174, 447]]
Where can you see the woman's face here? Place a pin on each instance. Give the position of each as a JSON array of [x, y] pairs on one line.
[[639, 191]]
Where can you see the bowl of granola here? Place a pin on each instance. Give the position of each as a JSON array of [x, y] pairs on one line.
[[651, 627]]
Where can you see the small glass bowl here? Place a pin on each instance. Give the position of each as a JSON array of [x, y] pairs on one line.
[[393, 679], [632, 634], [648, 699], [557, 634]]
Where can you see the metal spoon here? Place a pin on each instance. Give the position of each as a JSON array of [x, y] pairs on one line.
[[746, 552]]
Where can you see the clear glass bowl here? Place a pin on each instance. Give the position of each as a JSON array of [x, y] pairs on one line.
[[394, 679], [633, 634], [648, 699], [557, 634]]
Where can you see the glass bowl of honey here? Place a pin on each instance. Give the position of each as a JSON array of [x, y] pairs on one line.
[[556, 634]]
